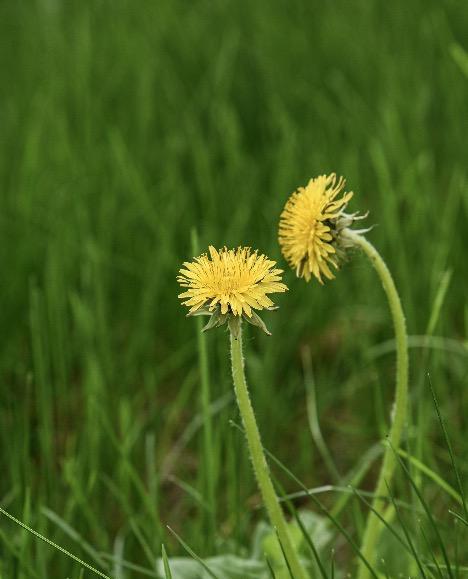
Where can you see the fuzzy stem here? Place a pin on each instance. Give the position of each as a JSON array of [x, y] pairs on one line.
[[373, 528], [257, 455]]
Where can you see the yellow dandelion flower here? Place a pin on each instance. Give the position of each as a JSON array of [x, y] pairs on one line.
[[310, 227], [230, 282]]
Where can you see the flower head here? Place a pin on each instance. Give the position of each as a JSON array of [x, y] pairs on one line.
[[230, 283], [311, 225]]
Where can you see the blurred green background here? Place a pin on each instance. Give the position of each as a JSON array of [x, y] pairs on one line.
[[124, 126]]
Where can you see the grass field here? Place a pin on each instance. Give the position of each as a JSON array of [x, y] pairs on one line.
[[125, 127]]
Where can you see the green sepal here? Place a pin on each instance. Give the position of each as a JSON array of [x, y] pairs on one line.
[[203, 311], [256, 320], [217, 319], [212, 322]]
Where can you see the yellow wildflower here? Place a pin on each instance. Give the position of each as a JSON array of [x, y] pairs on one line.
[[230, 282], [311, 224]]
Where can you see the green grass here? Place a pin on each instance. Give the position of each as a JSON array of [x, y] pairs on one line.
[[124, 126]]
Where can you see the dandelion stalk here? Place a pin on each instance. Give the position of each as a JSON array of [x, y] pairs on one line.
[[314, 235], [259, 462], [229, 286], [373, 527]]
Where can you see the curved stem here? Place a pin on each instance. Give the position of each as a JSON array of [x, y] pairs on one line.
[[257, 455], [373, 528]]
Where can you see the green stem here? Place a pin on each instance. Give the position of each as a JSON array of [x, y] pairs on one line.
[[373, 527], [258, 458]]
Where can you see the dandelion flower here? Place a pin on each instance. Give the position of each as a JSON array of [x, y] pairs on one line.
[[230, 283], [311, 225]]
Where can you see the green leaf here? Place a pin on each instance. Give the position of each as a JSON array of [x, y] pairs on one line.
[[223, 566], [167, 568]]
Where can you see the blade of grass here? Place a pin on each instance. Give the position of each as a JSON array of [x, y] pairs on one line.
[[407, 534], [15, 551], [432, 475], [449, 447], [74, 535], [459, 517], [383, 521], [284, 556], [131, 566], [312, 414], [54, 545], [311, 545], [428, 513], [345, 490], [150, 555], [428, 545], [356, 476], [421, 408], [305, 534], [123, 500], [192, 553], [134, 476], [167, 567], [270, 568]]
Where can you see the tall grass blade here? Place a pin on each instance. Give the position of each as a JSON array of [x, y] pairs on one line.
[[192, 553], [432, 475], [167, 567], [407, 534], [54, 545], [428, 513], [449, 447]]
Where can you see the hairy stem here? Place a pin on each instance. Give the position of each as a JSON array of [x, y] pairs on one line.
[[257, 455], [373, 525]]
